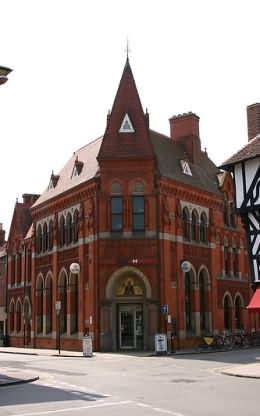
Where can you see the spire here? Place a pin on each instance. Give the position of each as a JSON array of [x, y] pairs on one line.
[[127, 131]]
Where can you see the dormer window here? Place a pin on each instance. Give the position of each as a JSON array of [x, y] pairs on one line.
[[53, 181], [185, 167], [77, 168], [126, 126]]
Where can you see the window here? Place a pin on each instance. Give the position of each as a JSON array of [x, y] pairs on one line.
[[39, 305], [194, 225], [74, 304], [202, 288], [45, 238], [238, 312], [49, 304], [69, 228], [63, 299], [116, 213], [75, 226], [12, 317], [18, 316], [188, 301], [203, 228], [50, 235], [186, 224], [226, 260], [227, 313], [138, 213], [185, 167], [62, 231], [235, 261], [39, 238]]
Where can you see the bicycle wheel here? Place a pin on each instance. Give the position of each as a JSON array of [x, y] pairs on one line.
[[228, 343]]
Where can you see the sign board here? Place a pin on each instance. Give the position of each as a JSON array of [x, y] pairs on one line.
[[164, 308], [87, 346], [58, 305], [185, 266], [74, 268], [160, 343]]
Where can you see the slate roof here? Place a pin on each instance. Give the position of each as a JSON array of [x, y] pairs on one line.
[[169, 153], [87, 155], [249, 151]]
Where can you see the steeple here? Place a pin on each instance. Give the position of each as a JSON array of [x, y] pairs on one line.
[[127, 130]]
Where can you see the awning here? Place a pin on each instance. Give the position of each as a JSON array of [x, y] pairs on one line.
[[254, 304]]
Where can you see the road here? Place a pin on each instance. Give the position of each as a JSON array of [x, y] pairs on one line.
[[114, 384]]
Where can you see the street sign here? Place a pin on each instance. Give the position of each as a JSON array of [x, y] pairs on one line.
[[164, 308]]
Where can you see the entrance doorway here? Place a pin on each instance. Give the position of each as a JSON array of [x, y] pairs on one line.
[[130, 323]]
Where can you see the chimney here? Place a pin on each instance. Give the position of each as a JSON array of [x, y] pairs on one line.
[[2, 234], [253, 120], [184, 128], [29, 199]]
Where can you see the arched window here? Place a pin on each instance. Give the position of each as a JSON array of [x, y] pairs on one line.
[[63, 300], [235, 262], [62, 231], [116, 207], [50, 235], [194, 225], [39, 305], [203, 228], [226, 260], [18, 267], [186, 224], [75, 226], [188, 301], [238, 313], [74, 303], [138, 213], [202, 289], [39, 238], [18, 316], [45, 237], [11, 311], [227, 313], [225, 213], [49, 303], [69, 228]]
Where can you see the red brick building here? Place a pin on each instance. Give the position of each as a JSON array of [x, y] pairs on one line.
[[129, 208]]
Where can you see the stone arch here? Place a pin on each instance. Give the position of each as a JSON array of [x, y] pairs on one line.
[[204, 269], [63, 272], [238, 295], [123, 270]]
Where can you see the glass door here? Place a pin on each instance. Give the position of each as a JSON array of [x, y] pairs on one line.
[[130, 326], [126, 327]]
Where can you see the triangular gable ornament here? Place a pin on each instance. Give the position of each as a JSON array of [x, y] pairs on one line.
[[126, 126]]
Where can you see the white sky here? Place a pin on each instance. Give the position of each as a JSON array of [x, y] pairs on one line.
[[67, 58]]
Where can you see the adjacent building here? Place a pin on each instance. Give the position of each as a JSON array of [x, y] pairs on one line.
[[149, 221]]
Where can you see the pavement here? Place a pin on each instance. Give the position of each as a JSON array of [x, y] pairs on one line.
[[11, 377]]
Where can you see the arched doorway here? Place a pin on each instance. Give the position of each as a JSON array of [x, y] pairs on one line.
[[227, 304], [128, 319]]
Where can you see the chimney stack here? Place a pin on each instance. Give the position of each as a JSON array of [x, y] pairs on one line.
[[253, 120], [2, 234], [184, 128], [29, 199]]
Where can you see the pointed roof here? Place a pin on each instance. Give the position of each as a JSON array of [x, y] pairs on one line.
[[127, 131]]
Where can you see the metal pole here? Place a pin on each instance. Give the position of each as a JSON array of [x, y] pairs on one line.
[[59, 331]]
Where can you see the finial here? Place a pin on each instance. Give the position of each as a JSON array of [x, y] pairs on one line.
[[127, 50]]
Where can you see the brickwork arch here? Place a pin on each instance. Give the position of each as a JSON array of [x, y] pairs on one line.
[[124, 270]]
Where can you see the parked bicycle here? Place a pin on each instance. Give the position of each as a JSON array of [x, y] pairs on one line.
[[215, 342]]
